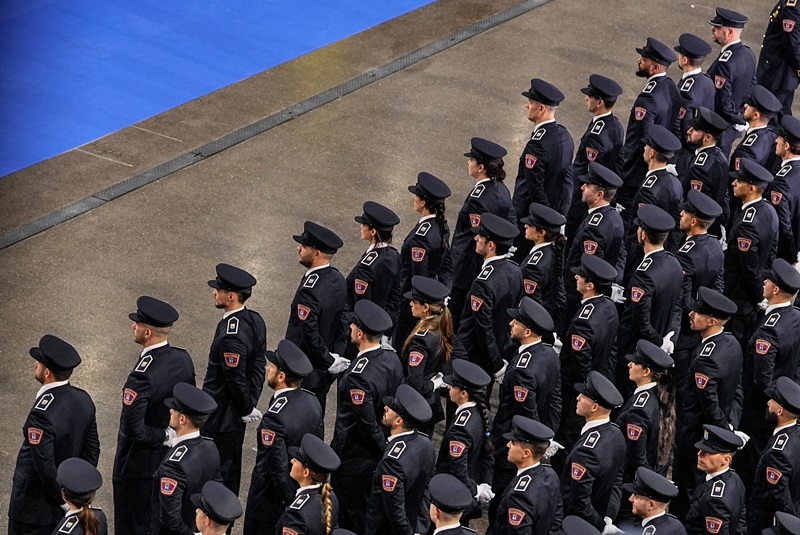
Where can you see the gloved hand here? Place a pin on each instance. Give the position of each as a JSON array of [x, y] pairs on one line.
[[617, 293], [254, 416], [740, 127], [762, 305], [744, 436], [511, 251], [339, 365], [668, 345], [671, 169], [484, 494], [438, 381], [723, 238], [562, 229], [618, 207], [552, 449], [64, 507], [385, 343], [170, 436], [557, 344], [610, 528], [499, 374]]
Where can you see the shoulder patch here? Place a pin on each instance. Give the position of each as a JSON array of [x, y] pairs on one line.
[[278, 405], [360, 286], [650, 182], [475, 303], [775, 197], [780, 442], [591, 440], [762, 346], [696, 185], [515, 516], [783, 171], [586, 311], [772, 320], [577, 471], [477, 191], [463, 418], [361, 365], [529, 286], [589, 247], [708, 349], [634, 432], [388, 483], [535, 257], [267, 437], [539, 134], [423, 228], [530, 161], [69, 524], [645, 264], [592, 154], [649, 87], [520, 394], [636, 294], [35, 435], [718, 489], [641, 400], [303, 312], [719, 81], [288, 531], [524, 360], [749, 214], [299, 502], [168, 486], [417, 254], [700, 159], [639, 113], [649, 530], [357, 396], [311, 280], [143, 364], [725, 56], [415, 358], [474, 220], [687, 84], [597, 127], [686, 247], [178, 454], [701, 381], [233, 325], [231, 360], [129, 395], [369, 258], [44, 401], [577, 342], [744, 244], [397, 449], [523, 483], [486, 272], [773, 475], [422, 333], [595, 219], [713, 525], [457, 449], [749, 140]]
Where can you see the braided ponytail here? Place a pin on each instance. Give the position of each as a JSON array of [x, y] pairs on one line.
[[438, 208], [665, 391], [327, 508], [479, 397]]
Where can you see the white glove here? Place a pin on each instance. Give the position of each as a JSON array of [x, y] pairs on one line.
[[484, 494], [498, 375], [619, 208], [438, 381], [65, 507], [552, 449], [723, 238], [668, 345], [385, 343], [617, 293], [170, 436], [557, 344], [254, 416], [744, 436], [671, 169], [610, 528], [762, 305], [740, 127], [564, 228], [339, 365], [511, 251]]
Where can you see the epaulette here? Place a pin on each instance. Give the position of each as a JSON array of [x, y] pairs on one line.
[[586, 311], [649, 87], [233, 325], [687, 84], [361, 364], [524, 360], [646, 263], [522, 484], [642, 399], [299, 502], [718, 489], [725, 56], [595, 219], [649, 530], [142, 365], [535, 257], [686, 247], [539, 134], [423, 228], [477, 191], [44, 401], [463, 418], [311, 281], [597, 127], [772, 320], [397, 449], [783, 171], [69, 524], [422, 333], [591, 440], [780, 442], [278, 404], [701, 159], [650, 182], [750, 140], [484, 275], [708, 349], [791, 3], [369, 258], [178, 454], [749, 214]]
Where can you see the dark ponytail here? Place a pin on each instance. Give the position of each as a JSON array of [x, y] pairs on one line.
[[494, 169], [87, 518], [559, 247], [479, 397], [437, 207], [665, 391]]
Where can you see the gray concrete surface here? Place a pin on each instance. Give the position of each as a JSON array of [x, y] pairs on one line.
[[80, 279]]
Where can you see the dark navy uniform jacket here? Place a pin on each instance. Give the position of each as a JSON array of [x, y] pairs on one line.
[[423, 253], [144, 417], [486, 196], [315, 321], [758, 144], [398, 486], [71, 525], [708, 173], [601, 233], [484, 323], [530, 504], [701, 259], [591, 481], [237, 366], [462, 451], [695, 90], [734, 76], [752, 245], [545, 169], [784, 194], [543, 282], [423, 359], [60, 425], [305, 516], [590, 342], [779, 60], [663, 189], [375, 278], [777, 485], [358, 438], [666, 524], [186, 468], [640, 418], [717, 506]]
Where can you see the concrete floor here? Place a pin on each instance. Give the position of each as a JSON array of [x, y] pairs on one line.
[[80, 279]]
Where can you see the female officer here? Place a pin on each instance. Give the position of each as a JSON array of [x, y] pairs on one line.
[[426, 249], [315, 509], [489, 194], [79, 481]]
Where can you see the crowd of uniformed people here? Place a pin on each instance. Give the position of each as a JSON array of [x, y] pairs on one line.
[[630, 308]]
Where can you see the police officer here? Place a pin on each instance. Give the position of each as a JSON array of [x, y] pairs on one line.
[[695, 87], [426, 249], [61, 424], [217, 508], [315, 509], [773, 351], [575, 525], [315, 318], [545, 172], [484, 322], [543, 266], [144, 431], [718, 503], [778, 66], [657, 103], [466, 452], [758, 142], [189, 464], [784, 192], [711, 392], [775, 487], [601, 142], [358, 438], [79, 481], [733, 72], [531, 502], [401, 477], [236, 368], [650, 496], [752, 245], [449, 498], [489, 194], [293, 412], [591, 480]]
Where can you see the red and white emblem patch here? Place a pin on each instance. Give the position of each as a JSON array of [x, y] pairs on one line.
[[636, 294], [35, 435], [231, 359], [788, 25], [267, 437], [415, 358], [520, 394], [696, 185], [682, 113], [713, 525], [589, 247], [639, 113], [776, 197], [289, 531], [744, 244], [303, 312], [361, 286], [773, 475], [578, 342], [389, 483], [457, 448], [762, 346], [474, 220], [417, 254], [634, 432], [530, 161], [128, 396], [719, 82], [530, 286], [357, 396], [475, 303], [515, 516], [168, 486], [701, 380], [591, 154], [577, 471]]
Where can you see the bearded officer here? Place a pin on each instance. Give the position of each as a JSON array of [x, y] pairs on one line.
[[650, 496], [758, 142], [695, 87]]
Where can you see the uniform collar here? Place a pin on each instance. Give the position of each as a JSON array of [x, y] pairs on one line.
[[528, 468], [465, 406], [307, 488], [483, 180], [371, 348], [232, 312], [685, 75], [594, 423], [644, 387], [748, 203], [492, 259], [445, 528], [592, 297], [781, 428], [404, 433], [754, 129], [701, 149], [526, 346], [794, 159], [50, 386], [312, 270], [726, 47], [152, 347], [703, 341], [429, 216], [597, 208], [183, 438], [282, 390], [596, 117], [777, 305], [651, 171], [711, 476], [540, 246], [657, 75], [653, 252], [650, 518], [373, 246], [539, 125]]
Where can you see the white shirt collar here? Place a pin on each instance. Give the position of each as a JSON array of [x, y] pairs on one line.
[[644, 387], [465, 406], [649, 518], [711, 476], [651, 171], [685, 75], [373, 246], [753, 129], [777, 305], [527, 468], [596, 117], [224, 316], [657, 75], [703, 341], [50, 386], [72, 512], [539, 125], [492, 259], [312, 270], [597, 208], [448, 526], [483, 180], [594, 423], [726, 47], [781, 428], [539, 246], [307, 488], [787, 160], [152, 347], [429, 216], [748, 203], [700, 149], [592, 297], [371, 348], [526, 346], [187, 436], [392, 437], [652, 252], [282, 390]]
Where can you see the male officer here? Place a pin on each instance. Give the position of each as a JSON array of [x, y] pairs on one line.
[[701, 259], [545, 173], [718, 503], [292, 413], [785, 524], [190, 463], [396, 504], [601, 142], [695, 87], [712, 395], [650, 496], [315, 318], [784, 192], [60, 425], [752, 244], [733, 73], [776, 486], [531, 502], [484, 321], [358, 438], [758, 142], [658, 103], [772, 351], [778, 66], [217, 508], [236, 368], [591, 480], [449, 498], [144, 432]]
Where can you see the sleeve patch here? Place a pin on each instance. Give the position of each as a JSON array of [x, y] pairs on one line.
[[129, 396], [530, 161], [639, 113], [288, 531], [591, 154], [634, 432], [44, 401], [788, 25], [457, 449], [738, 161], [515, 516], [589, 247], [520, 394], [776, 197], [719, 81], [475, 303], [233, 325], [361, 286], [415, 358], [636, 294], [701, 381], [303, 312], [357, 396], [168, 486], [388, 483], [417, 254], [577, 471], [773, 475], [713, 525], [682, 110], [578, 342], [530, 286], [267, 437], [696, 185], [231, 359], [474, 220], [744, 244], [35, 436], [762, 346]]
